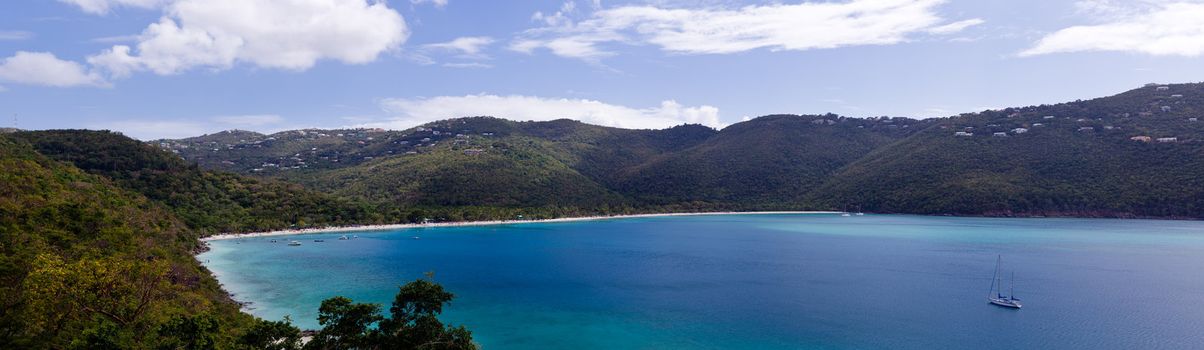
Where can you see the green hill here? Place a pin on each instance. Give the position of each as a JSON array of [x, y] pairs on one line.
[[210, 201], [1074, 158], [765, 163], [87, 264]]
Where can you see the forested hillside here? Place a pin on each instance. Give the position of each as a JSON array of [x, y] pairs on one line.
[[209, 201], [87, 264], [1140, 153], [1133, 154]]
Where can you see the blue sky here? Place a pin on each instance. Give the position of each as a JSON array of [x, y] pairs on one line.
[[175, 68]]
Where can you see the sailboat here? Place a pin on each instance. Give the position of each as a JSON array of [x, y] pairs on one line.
[[995, 296]]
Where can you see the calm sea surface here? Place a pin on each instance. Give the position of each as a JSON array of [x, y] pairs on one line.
[[760, 281]]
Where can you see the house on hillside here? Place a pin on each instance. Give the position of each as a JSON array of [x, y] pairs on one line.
[[1166, 108], [1048, 117], [1141, 138], [1163, 88], [963, 133], [1087, 129], [1019, 130], [1000, 134], [474, 151], [1193, 119], [1176, 96], [1168, 139]]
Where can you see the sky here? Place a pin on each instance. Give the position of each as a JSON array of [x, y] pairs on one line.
[[177, 68]]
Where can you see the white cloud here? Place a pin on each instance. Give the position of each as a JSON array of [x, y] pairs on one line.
[[13, 35], [115, 39], [956, 26], [1161, 29], [249, 120], [155, 129], [412, 112], [803, 26], [293, 35], [437, 3], [469, 45], [43, 68], [474, 65], [101, 7]]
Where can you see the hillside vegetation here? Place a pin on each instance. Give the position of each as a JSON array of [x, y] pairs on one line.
[[1129, 155], [87, 264], [209, 201], [1077, 158]]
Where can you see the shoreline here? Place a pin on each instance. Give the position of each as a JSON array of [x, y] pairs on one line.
[[229, 236]]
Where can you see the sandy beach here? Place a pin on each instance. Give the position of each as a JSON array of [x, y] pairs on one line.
[[226, 236]]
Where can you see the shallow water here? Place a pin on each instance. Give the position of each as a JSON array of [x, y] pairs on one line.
[[759, 281]]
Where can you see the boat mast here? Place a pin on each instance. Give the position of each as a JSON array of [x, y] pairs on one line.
[[994, 278], [1012, 289]]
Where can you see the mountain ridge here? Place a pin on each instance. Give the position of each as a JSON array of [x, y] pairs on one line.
[[820, 162]]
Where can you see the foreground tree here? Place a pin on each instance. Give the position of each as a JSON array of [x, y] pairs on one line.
[[413, 323]]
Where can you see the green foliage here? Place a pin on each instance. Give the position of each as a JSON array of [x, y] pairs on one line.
[[87, 264], [413, 323], [1053, 169], [212, 202], [272, 335]]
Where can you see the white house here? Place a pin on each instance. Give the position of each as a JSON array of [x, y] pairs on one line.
[[1168, 139], [1000, 134], [1019, 130], [963, 133]]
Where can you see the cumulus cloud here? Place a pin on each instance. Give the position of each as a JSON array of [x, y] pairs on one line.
[[292, 35], [43, 68], [101, 7], [249, 120], [13, 35], [802, 26], [1160, 29], [412, 112], [436, 3]]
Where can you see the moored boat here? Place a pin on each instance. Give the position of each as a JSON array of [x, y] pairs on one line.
[[996, 297]]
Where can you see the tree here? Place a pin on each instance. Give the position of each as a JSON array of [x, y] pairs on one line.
[[346, 325], [272, 335], [414, 322], [196, 332]]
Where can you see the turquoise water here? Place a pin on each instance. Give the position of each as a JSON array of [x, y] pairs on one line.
[[760, 281]]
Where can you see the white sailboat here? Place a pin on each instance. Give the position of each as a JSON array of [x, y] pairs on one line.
[[996, 297]]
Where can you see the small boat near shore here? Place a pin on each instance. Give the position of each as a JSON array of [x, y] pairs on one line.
[[294, 243], [343, 238]]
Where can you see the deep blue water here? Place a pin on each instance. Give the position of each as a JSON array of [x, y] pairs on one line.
[[760, 281]]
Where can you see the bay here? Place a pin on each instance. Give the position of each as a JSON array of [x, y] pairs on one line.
[[789, 281]]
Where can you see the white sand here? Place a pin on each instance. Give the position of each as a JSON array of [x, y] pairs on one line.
[[482, 223]]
